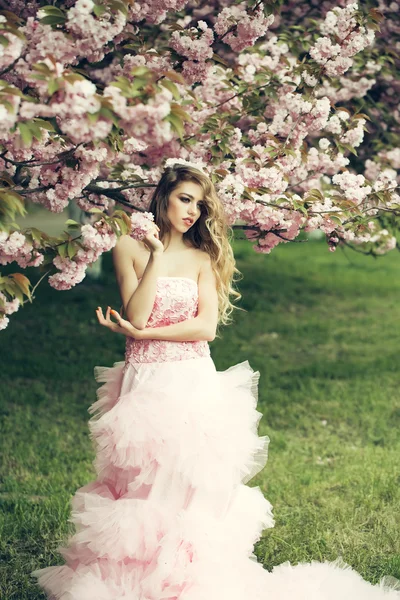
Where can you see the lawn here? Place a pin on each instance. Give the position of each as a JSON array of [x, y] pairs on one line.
[[323, 330]]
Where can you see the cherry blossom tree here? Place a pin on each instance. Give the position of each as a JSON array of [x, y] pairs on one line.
[[291, 108]]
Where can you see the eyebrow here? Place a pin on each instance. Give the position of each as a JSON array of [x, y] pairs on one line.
[[190, 196]]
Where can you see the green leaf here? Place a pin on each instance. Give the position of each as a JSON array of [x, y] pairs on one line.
[[170, 85], [36, 234], [19, 295], [176, 123], [42, 68], [62, 250], [53, 20], [95, 210], [139, 71], [108, 114], [99, 10], [72, 223], [118, 6], [53, 86], [220, 60], [316, 192], [335, 219], [93, 117], [71, 249], [174, 76], [178, 110], [44, 124], [9, 288], [350, 149], [22, 283], [49, 9], [4, 41], [36, 131], [26, 133]]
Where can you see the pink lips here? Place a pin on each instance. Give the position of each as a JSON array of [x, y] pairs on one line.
[[188, 221]]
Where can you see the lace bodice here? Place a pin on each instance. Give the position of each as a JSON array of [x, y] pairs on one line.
[[176, 300]]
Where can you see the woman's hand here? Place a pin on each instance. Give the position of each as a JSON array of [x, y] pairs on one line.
[[152, 241], [121, 326]]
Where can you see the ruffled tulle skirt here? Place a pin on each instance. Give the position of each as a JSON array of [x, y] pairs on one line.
[[169, 515]]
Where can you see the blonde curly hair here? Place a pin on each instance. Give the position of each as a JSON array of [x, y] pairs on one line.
[[209, 233]]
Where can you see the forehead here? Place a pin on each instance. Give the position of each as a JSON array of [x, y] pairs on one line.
[[191, 188]]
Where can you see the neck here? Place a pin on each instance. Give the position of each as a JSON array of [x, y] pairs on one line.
[[173, 241]]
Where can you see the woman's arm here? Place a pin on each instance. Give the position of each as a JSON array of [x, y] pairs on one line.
[[201, 327], [138, 299], [123, 259], [140, 304]]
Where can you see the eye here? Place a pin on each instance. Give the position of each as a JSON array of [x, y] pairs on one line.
[[185, 199]]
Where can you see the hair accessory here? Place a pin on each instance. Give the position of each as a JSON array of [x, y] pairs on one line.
[[141, 224], [171, 162]]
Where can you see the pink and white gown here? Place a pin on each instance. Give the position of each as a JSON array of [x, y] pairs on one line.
[[169, 516]]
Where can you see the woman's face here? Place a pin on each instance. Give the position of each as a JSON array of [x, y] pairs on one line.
[[184, 205]]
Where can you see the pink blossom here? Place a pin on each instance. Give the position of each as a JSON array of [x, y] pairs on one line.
[[154, 11], [195, 71], [8, 110], [9, 53], [323, 50], [70, 273], [192, 44], [249, 26], [9, 306], [98, 237], [338, 66], [15, 247], [4, 321], [354, 136], [142, 224]]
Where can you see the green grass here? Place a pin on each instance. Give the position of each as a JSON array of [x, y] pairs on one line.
[[323, 330]]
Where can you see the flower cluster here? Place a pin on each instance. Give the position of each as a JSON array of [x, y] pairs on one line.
[[248, 26], [353, 186], [95, 239], [15, 247], [143, 124], [7, 307], [12, 47], [70, 273], [94, 33], [141, 225], [154, 11], [195, 45], [341, 24]]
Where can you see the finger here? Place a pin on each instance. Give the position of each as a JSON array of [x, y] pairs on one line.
[[116, 315], [107, 321], [100, 316]]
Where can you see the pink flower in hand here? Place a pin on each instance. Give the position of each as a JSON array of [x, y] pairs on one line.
[[142, 224]]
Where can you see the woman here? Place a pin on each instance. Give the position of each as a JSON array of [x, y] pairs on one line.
[[169, 516]]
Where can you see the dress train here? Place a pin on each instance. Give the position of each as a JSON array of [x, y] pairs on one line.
[[169, 515]]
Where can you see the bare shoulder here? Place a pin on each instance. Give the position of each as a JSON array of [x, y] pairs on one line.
[[205, 268], [126, 245], [204, 258]]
